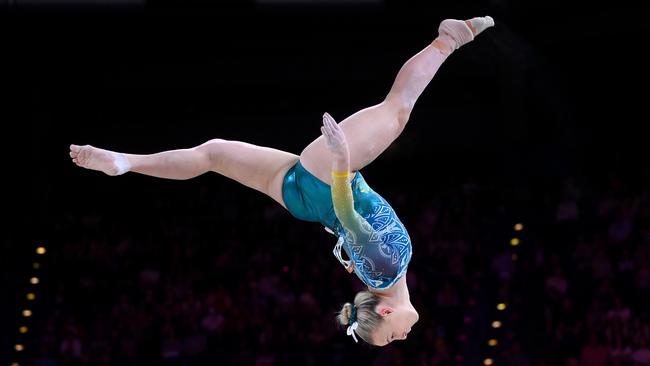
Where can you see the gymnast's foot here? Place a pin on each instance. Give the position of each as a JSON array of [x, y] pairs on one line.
[[106, 161], [454, 33], [479, 24]]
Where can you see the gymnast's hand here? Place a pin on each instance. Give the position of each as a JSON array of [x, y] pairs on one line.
[[336, 141], [350, 268]]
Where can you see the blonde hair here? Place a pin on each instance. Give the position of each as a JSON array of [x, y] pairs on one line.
[[366, 303]]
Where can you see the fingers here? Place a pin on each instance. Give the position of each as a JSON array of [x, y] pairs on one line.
[[327, 133], [324, 133], [332, 127], [326, 129], [329, 121], [329, 139], [350, 268]]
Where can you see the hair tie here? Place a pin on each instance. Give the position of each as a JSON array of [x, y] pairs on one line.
[[353, 315], [351, 330], [353, 324]]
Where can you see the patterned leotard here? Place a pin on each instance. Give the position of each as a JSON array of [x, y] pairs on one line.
[[369, 232]]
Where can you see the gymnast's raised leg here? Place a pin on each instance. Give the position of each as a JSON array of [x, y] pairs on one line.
[[371, 130]]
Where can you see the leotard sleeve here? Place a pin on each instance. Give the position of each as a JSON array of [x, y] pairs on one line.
[[344, 205]]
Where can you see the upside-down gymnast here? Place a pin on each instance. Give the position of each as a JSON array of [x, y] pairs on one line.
[[324, 185]]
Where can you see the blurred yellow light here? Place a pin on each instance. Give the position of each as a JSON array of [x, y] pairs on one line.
[[31, 296], [501, 306], [34, 280], [15, 364], [19, 347], [36, 265], [496, 324], [41, 250], [27, 313], [23, 330], [519, 227], [514, 242], [488, 362], [493, 342]]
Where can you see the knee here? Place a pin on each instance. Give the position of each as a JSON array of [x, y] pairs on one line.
[[403, 115], [212, 149], [402, 111], [210, 145]]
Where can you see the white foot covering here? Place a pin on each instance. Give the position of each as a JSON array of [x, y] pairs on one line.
[[122, 163], [481, 23], [456, 33]]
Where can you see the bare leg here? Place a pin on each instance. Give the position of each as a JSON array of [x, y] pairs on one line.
[[370, 131], [260, 168]]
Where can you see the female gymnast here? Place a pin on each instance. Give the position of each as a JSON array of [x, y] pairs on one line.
[[324, 185]]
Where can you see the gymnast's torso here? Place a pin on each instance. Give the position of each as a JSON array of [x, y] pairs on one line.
[[372, 235], [380, 253]]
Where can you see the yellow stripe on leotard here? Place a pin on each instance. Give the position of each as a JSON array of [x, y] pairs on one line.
[[344, 203]]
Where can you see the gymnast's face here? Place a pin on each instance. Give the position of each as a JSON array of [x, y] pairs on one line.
[[396, 325]]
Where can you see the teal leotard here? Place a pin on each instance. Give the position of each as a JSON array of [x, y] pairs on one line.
[[372, 235]]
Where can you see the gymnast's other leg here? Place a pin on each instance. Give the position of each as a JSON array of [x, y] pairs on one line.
[[371, 130], [260, 168]]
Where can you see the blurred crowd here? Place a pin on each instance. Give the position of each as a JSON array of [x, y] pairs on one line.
[[205, 277], [580, 291]]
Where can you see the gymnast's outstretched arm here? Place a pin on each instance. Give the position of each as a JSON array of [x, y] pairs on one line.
[[342, 197]]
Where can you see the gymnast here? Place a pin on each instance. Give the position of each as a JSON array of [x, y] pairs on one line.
[[324, 185]]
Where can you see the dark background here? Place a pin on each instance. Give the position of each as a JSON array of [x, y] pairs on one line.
[[551, 78], [555, 90]]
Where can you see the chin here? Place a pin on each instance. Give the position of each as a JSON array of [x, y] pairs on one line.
[[416, 315]]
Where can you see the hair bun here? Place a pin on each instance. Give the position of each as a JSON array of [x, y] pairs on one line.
[[345, 314]]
